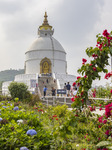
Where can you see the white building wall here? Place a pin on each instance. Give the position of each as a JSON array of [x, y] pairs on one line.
[[33, 66], [33, 59], [64, 78], [5, 85], [39, 54]]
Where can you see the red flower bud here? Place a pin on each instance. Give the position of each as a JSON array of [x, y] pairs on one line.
[[90, 64], [74, 84], [84, 61], [78, 77], [94, 68], [85, 76], [105, 33], [111, 91], [72, 99]]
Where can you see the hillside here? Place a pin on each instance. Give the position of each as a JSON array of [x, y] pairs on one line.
[[8, 75]]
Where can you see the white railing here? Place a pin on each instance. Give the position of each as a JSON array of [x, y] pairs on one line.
[[104, 99], [55, 100]]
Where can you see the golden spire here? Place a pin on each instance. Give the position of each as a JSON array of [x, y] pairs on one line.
[[45, 19], [45, 24]]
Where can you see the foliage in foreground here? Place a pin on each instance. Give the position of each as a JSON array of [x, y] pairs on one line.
[[19, 90], [57, 128], [91, 71]]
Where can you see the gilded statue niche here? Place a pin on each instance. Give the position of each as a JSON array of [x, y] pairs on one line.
[[45, 66]]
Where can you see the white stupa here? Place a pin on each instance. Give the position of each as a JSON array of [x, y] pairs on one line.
[[45, 56]]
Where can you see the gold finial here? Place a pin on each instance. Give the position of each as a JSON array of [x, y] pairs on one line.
[[45, 19], [45, 24]]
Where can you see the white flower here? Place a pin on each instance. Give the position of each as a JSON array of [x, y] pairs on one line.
[[19, 121], [77, 145]]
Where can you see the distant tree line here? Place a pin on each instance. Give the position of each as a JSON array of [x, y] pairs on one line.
[[8, 75]]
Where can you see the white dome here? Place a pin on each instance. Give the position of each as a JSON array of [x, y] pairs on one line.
[[45, 52], [46, 43]]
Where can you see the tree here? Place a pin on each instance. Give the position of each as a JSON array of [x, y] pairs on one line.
[[90, 71], [19, 90]]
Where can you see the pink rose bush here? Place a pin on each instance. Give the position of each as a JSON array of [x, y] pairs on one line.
[[108, 110]]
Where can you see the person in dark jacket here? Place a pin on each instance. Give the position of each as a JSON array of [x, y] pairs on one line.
[[68, 87], [53, 91]]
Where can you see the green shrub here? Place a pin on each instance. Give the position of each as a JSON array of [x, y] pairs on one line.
[[34, 99], [5, 98], [60, 110], [19, 90]]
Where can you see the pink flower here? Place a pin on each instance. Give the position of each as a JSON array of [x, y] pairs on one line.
[[94, 93], [99, 126], [84, 60], [95, 56], [99, 139], [92, 108], [108, 109], [111, 91], [100, 46], [82, 100], [94, 68], [100, 109], [72, 99], [54, 115], [100, 119], [107, 132], [105, 33], [108, 75], [90, 64], [82, 93], [105, 121], [74, 84], [78, 84], [98, 42], [85, 76], [78, 77]]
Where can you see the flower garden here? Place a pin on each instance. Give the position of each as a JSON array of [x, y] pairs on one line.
[[39, 127], [26, 126]]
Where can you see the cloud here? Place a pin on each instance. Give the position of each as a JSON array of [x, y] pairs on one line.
[[75, 22], [8, 7]]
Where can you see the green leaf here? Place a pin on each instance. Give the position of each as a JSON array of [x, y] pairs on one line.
[[103, 143]]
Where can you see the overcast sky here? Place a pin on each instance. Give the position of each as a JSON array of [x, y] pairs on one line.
[[75, 22]]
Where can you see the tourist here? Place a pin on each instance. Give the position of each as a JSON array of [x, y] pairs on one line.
[[65, 86], [54, 80], [47, 80], [74, 92], [44, 90], [68, 86], [53, 91]]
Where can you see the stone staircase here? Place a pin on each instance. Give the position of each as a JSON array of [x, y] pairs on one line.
[[42, 81]]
